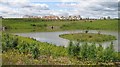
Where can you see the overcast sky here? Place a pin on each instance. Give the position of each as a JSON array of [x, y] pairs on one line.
[[85, 8]]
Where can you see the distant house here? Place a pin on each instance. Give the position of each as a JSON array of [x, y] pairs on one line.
[[74, 17], [62, 18], [55, 17], [28, 16], [50, 17]]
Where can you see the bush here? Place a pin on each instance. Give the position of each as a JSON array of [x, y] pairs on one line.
[[35, 52], [12, 42], [73, 49], [92, 53]]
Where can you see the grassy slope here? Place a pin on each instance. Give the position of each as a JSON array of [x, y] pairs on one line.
[[27, 25], [45, 47], [88, 37], [49, 54]]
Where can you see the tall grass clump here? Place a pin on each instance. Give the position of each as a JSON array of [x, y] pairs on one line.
[[91, 52], [12, 42]]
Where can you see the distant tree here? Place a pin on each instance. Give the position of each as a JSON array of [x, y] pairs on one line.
[[104, 18], [108, 17]]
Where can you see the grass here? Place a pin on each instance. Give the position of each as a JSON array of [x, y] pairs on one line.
[[13, 57], [13, 24], [49, 53], [95, 25], [88, 37], [43, 46]]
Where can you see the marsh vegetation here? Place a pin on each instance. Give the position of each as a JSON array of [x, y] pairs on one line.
[[23, 50], [88, 37]]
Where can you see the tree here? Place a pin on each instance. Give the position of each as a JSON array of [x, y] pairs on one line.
[[108, 17]]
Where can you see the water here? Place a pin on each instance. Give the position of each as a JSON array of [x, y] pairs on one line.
[[53, 37]]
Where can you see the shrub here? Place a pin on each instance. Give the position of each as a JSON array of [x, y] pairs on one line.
[[73, 49], [92, 53], [35, 52]]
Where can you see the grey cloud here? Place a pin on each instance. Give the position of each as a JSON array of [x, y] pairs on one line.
[[105, 6], [103, 9], [35, 7]]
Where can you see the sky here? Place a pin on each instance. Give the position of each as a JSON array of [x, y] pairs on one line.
[[85, 8]]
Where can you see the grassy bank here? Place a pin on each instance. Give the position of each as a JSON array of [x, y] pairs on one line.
[[22, 50], [29, 24], [88, 37]]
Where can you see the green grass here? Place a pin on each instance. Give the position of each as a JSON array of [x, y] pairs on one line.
[[43, 46], [95, 25], [49, 53], [88, 37], [43, 25]]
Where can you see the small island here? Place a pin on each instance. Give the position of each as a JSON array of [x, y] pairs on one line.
[[88, 37]]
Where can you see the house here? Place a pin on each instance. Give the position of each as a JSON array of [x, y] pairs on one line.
[[75, 17], [50, 17], [62, 18]]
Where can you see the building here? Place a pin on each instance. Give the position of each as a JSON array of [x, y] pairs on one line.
[[53, 17], [50, 17]]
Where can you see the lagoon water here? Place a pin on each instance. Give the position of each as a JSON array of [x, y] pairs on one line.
[[53, 37]]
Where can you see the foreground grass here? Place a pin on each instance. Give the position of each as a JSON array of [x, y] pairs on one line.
[[20, 51], [49, 53], [13, 57], [43, 46], [58, 25], [88, 37]]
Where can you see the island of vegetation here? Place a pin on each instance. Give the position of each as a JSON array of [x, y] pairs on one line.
[[88, 37]]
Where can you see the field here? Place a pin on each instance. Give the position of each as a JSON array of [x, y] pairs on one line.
[[31, 25], [24, 50]]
